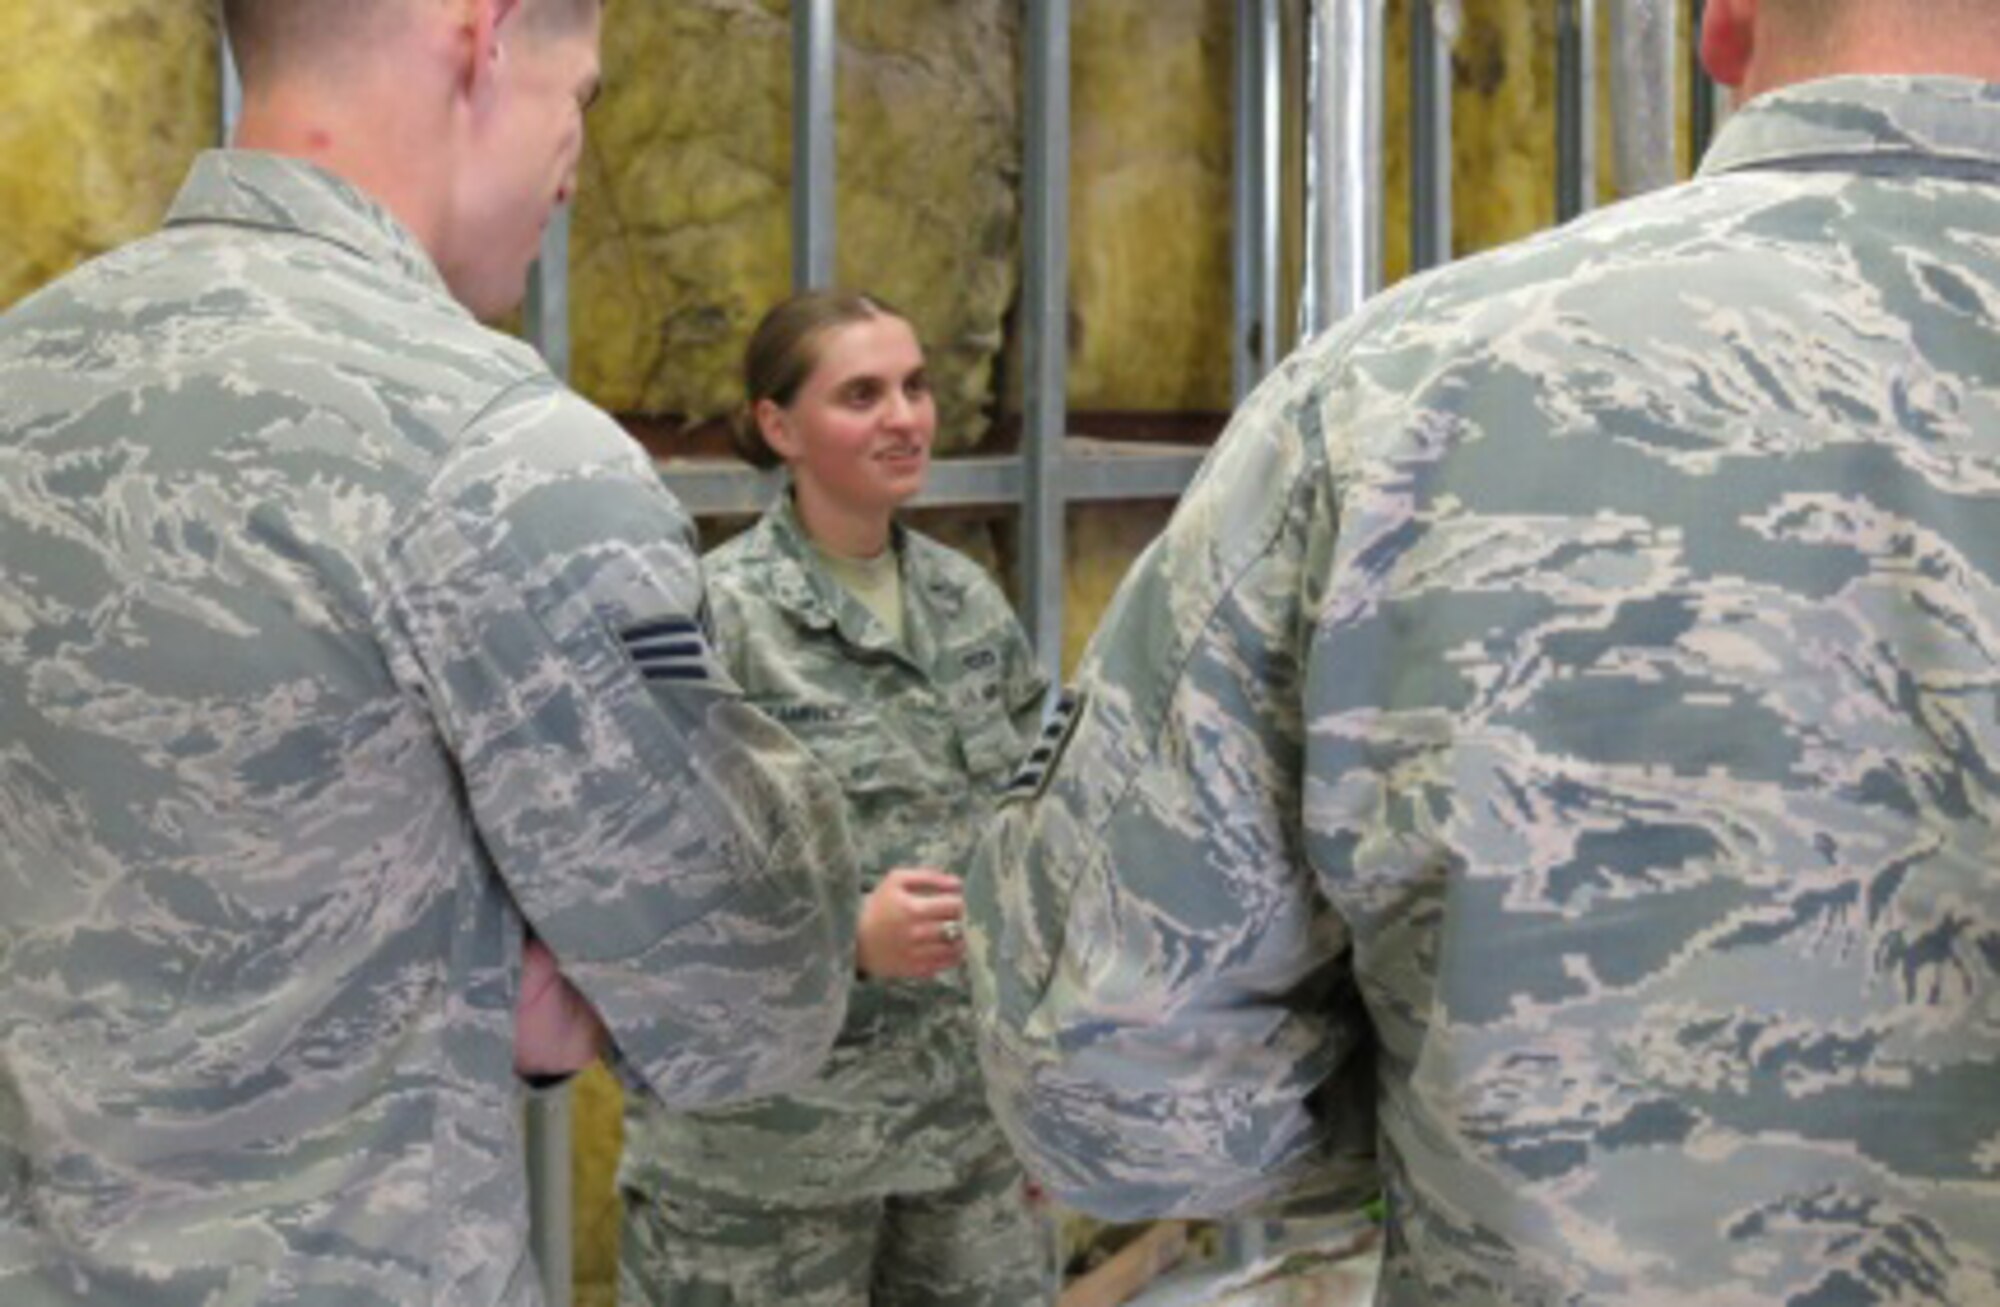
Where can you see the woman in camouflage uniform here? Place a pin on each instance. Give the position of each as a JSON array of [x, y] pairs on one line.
[[884, 1182]]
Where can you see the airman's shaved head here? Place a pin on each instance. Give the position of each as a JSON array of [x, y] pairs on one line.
[[269, 37]]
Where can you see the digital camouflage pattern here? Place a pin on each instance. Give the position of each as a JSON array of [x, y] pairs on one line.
[[329, 656], [1549, 765], [922, 735], [974, 1244]]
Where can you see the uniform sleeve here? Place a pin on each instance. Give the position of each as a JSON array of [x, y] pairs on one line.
[[1168, 1021], [685, 860]]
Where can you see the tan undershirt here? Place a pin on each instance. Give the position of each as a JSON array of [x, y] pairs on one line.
[[877, 582]]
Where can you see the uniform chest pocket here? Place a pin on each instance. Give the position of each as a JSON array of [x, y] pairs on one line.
[[992, 750], [981, 706]]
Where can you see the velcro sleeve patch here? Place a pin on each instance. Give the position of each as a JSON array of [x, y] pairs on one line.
[[1035, 773], [673, 650]]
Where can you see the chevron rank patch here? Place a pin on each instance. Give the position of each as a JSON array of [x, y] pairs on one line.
[[673, 650], [1033, 777]]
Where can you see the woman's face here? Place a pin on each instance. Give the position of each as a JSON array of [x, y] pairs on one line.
[[858, 433]]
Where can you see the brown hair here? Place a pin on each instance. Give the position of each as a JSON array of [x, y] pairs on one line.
[[784, 350], [267, 36]]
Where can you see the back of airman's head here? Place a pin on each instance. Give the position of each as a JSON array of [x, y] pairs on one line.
[[276, 38], [784, 350], [464, 118]]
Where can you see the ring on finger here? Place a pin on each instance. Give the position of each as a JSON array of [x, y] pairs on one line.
[[951, 932]]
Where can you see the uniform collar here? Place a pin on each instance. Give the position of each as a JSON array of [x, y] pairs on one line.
[[1921, 119], [274, 192], [800, 586]]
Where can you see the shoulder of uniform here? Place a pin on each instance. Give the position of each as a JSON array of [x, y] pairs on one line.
[[939, 559], [746, 593], [749, 573], [542, 420], [537, 437], [518, 360], [1465, 303], [741, 558], [931, 561]]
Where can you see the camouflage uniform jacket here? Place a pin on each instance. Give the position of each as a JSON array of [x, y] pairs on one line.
[[1550, 762], [338, 641], [922, 736]]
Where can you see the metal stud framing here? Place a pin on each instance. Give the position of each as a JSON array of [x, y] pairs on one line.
[[1258, 186], [550, 1196], [1576, 109], [230, 102], [813, 73], [1045, 327], [1346, 133], [1434, 28], [1643, 48]]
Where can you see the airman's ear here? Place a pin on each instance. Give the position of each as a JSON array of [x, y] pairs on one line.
[[1729, 39], [481, 39]]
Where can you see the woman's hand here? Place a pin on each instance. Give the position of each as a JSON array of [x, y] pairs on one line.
[[556, 1030], [912, 925]]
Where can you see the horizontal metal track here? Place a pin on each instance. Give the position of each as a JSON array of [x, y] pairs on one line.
[[1092, 471]]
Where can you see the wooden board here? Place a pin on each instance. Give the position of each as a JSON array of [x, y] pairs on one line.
[[1131, 1269]]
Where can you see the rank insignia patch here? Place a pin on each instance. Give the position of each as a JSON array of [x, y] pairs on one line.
[[1033, 776], [673, 649]]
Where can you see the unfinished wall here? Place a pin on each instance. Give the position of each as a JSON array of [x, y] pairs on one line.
[[1504, 123], [1152, 135], [681, 236], [102, 105]]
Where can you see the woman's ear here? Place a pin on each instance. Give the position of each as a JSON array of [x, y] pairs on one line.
[[776, 430]]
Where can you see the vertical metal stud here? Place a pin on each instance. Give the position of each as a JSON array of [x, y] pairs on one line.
[[1643, 43], [546, 312], [1247, 195], [1576, 109], [1259, 108], [1271, 46], [1045, 324], [231, 85], [1345, 226], [813, 73], [1434, 28], [549, 1192], [1271, 235]]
